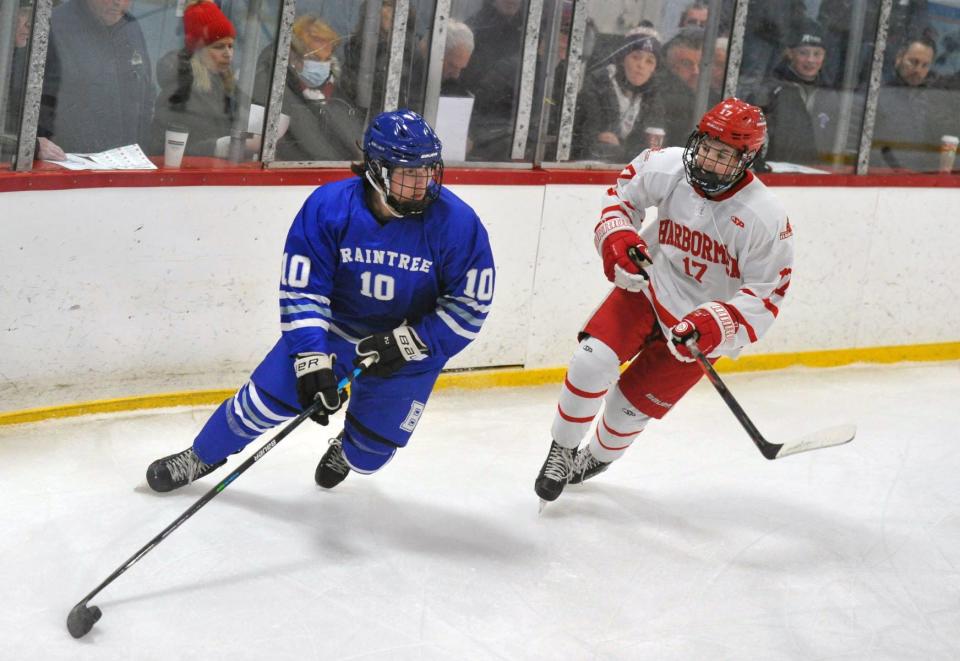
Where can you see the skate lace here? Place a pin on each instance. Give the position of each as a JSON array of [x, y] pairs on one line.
[[585, 461], [559, 463], [185, 466], [336, 461]]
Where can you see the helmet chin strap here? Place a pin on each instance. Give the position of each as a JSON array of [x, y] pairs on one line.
[[383, 195]]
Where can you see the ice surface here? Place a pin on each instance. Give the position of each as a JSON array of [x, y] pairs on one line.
[[691, 547]]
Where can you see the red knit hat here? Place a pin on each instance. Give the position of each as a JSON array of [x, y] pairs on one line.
[[203, 24]]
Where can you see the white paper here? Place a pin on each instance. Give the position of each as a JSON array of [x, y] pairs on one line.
[[453, 122], [129, 157], [255, 122], [783, 166]]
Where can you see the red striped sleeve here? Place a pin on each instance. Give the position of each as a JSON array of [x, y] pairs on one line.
[[751, 333]]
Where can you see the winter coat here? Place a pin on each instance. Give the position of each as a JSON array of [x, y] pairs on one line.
[[678, 101], [905, 135], [598, 111], [325, 129], [97, 89], [206, 115], [796, 134], [493, 75]]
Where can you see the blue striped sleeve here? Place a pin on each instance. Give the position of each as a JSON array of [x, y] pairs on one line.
[[463, 306], [306, 281]]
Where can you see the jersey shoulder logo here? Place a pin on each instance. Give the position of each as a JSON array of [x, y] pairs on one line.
[[736, 221], [786, 233]]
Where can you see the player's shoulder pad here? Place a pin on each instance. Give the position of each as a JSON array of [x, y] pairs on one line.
[[333, 200], [668, 160], [451, 211], [761, 206]]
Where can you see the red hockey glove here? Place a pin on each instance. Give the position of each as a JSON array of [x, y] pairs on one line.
[[625, 256], [709, 325]]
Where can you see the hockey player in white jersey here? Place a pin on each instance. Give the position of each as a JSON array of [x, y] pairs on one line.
[[714, 266]]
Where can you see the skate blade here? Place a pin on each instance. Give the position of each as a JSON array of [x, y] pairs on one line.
[[543, 506]]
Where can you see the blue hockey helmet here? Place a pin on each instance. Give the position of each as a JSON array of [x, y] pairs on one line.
[[402, 140]]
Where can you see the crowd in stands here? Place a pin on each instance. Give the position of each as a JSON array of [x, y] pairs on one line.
[[637, 89]]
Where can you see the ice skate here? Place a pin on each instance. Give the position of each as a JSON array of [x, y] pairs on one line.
[[178, 470], [585, 466], [333, 468], [554, 473]]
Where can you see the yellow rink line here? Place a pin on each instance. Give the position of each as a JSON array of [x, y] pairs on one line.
[[512, 377]]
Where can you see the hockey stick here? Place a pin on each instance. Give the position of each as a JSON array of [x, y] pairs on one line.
[[824, 438], [82, 617]]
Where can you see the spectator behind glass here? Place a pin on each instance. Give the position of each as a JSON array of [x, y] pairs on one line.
[[493, 75], [97, 86], [198, 88], [9, 135], [678, 86], [618, 101], [907, 17], [694, 16], [799, 120], [413, 62], [456, 57], [324, 124], [903, 136]]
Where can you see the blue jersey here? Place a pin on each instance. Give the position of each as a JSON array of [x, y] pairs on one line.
[[345, 273]]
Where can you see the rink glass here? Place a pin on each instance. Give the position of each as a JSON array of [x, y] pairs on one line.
[[545, 36]]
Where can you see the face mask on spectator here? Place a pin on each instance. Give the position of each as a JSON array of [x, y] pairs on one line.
[[315, 73]]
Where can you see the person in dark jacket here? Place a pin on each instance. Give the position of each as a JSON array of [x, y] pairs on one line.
[[677, 84], [905, 135], [411, 71], [98, 88], [198, 89], [799, 118], [907, 17], [324, 124], [493, 76], [619, 101]]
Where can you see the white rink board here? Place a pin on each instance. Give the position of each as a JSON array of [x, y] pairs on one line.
[[112, 292]]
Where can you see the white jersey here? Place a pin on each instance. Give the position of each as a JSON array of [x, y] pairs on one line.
[[735, 248]]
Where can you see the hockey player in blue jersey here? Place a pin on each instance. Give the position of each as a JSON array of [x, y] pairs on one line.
[[388, 264]]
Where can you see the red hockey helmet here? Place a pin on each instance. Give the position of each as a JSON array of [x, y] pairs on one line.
[[736, 124]]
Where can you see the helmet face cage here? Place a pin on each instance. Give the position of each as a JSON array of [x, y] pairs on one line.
[[405, 194], [703, 175]]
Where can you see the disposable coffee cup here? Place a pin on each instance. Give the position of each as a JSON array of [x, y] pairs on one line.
[[948, 152], [282, 125], [174, 146], [655, 137]]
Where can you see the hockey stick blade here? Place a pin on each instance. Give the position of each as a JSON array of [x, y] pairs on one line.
[[824, 438]]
